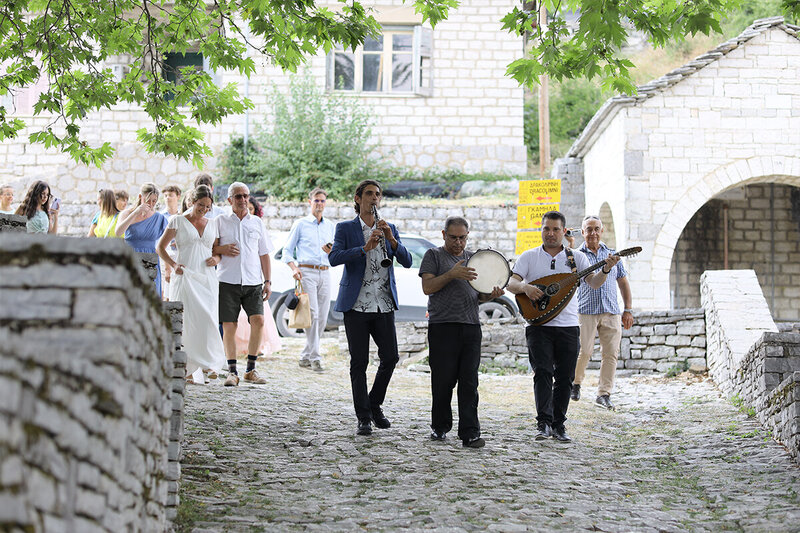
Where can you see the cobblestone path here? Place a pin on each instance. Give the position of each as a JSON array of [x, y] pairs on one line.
[[675, 456]]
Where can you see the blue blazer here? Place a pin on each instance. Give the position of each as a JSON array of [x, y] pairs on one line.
[[347, 243]]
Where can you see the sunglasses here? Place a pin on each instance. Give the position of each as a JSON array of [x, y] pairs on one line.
[[241, 196]]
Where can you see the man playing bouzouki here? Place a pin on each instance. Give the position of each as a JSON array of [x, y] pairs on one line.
[[553, 346]]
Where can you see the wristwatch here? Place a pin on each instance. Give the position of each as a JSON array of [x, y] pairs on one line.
[[628, 311]]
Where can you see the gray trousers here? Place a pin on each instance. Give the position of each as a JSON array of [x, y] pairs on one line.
[[317, 284]]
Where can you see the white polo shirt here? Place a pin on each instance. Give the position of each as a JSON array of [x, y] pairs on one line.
[[536, 263], [251, 238]]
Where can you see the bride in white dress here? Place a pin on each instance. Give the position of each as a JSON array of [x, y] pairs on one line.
[[194, 282]]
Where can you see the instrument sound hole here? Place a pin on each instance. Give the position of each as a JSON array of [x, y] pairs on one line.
[[552, 289]]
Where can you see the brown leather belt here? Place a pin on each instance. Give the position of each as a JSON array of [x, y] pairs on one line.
[[315, 267]]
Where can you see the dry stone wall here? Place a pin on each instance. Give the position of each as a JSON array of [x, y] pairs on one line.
[[659, 341], [91, 387], [748, 358], [492, 226], [12, 223]]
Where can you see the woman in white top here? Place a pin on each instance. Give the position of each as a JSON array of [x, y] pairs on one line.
[[194, 282]]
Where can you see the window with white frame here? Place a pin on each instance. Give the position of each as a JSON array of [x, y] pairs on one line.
[[399, 61]]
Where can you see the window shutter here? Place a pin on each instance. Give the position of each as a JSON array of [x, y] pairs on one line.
[[423, 61]]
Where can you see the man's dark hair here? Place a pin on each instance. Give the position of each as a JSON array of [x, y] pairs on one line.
[[204, 179], [556, 215], [172, 188], [360, 190]]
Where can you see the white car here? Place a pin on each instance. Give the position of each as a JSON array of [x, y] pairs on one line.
[[413, 302]]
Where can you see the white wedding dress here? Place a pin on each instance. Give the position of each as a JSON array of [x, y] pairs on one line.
[[198, 289]]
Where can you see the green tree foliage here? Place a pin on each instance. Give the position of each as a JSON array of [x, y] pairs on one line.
[[316, 139], [69, 44], [591, 50], [572, 105]]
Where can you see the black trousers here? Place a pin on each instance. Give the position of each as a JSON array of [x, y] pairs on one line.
[[359, 327], [455, 355], [553, 352]]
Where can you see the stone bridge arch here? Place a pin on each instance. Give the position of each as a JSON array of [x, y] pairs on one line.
[[758, 169]]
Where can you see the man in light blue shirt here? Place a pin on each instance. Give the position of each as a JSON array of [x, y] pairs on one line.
[[306, 252]]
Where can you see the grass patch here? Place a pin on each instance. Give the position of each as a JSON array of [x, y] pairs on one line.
[[189, 513]]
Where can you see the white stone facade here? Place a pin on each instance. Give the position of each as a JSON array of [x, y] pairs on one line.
[[727, 119], [473, 119]]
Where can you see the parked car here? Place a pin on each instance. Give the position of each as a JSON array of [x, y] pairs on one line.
[[413, 302]]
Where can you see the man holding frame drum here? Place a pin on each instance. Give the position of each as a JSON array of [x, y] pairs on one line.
[[454, 332]]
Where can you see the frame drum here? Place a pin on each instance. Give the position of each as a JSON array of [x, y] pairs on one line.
[[492, 270]]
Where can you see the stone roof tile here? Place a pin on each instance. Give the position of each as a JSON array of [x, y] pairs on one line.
[[610, 108]]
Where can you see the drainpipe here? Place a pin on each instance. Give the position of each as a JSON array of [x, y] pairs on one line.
[[725, 236], [772, 246]]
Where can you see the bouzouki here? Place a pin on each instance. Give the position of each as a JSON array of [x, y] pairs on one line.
[[558, 290]]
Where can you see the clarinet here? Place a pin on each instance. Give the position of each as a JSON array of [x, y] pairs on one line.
[[385, 261]]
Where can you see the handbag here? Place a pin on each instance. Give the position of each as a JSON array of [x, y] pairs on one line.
[[300, 316]]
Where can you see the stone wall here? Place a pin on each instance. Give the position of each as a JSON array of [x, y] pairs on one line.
[[12, 223], [658, 342], [472, 121], [736, 317], [662, 340], [763, 235], [91, 389], [492, 226], [748, 358], [570, 171]]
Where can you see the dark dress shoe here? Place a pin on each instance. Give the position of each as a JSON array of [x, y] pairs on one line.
[[604, 401], [560, 434], [364, 427], [380, 419], [575, 395], [438, 435], [474, 442], [544, 432]]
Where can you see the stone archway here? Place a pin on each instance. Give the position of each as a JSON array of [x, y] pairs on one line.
[[777, 169], [609, 233]]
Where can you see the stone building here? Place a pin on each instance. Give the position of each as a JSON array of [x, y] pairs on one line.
[[439, 96], [701, 168]]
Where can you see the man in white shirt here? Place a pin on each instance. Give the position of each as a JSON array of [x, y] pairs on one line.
[[553, 346], [244, 279], [306, 252]]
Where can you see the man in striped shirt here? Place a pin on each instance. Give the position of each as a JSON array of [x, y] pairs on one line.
[[599, 314]]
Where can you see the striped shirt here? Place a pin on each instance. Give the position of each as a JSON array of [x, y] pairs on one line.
[[603, 300]]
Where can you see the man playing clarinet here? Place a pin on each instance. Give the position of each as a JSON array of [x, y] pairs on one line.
[[367, 247]]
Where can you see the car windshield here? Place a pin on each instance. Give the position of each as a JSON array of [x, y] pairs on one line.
[[417, 248]]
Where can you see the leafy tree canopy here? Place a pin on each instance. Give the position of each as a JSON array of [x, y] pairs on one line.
[[69, 43], [591, 47]]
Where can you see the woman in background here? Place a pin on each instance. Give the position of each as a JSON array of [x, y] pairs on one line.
[[104, 223], [194, 282], [36, 208], [271, 341], [142, 225]]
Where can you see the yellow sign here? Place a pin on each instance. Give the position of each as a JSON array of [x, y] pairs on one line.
[[530, 216], [527, 240], [540, 192]]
